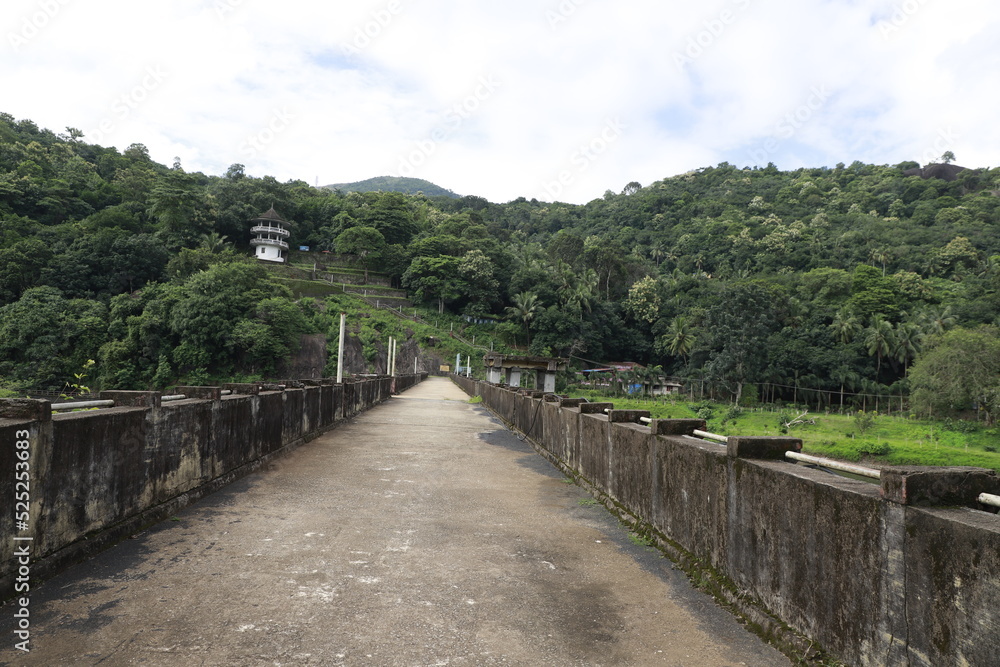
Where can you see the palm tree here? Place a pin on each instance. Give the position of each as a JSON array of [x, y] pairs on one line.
[[845, 325], [935, 320], [584, 291], [213, 242], [908, 338], [846, 378], [526, 306], [879, 340], [879, 255], [680, 337], [657, 252]]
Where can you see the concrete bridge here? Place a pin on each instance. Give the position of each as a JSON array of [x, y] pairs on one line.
[[419, 532]]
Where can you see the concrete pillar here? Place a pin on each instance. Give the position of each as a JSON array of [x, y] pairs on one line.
[[204, 393], [762, 447], [936, 486], [514, 377], [132, 399], [549, 383], [494, 375]]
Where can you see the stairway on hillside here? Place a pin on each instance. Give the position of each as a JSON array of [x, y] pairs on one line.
[[345, 270]]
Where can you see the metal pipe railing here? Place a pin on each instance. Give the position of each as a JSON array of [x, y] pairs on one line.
[[835, 465], [175, 397], [990, 499], [711, 436], [862, 471], [81, 405]]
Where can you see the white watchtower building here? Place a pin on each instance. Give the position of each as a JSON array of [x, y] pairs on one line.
[[271, 238]]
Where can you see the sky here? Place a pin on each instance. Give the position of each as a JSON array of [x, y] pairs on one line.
[[559, 100]]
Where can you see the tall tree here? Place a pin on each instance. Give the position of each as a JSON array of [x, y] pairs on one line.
[[959, 370], [526, 307], [738, 327], [434, 278], [880, 341], [361, 241]]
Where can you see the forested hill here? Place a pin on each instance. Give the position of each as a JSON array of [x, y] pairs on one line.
[[407, 186], [841, 279]]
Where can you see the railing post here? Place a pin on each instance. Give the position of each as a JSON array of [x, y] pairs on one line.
[[938, 486]]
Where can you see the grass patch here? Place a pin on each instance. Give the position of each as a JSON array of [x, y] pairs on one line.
[[641, 541], [475, 400], [886, 440]]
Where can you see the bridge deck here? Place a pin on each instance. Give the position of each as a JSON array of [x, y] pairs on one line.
[[419, 533]]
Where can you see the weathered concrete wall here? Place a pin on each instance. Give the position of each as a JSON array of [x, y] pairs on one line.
[[90, 478], [846, 564]]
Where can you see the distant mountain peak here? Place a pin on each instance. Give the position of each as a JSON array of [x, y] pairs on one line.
[[409, 186]]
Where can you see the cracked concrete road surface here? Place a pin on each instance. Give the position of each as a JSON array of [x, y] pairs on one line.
[[419, 533]]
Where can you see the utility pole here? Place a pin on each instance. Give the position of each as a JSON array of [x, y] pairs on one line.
[[392, 370], [340, 349]]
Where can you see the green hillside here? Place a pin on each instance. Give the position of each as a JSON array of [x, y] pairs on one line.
[[848, 287]]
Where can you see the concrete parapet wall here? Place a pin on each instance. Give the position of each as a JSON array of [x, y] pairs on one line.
[[96, 476], [869, 572]]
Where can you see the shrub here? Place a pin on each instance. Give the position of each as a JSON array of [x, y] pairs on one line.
[[750, 397], [873, 448], [960, 426], [732, 414], [864, 421], [703, 410]]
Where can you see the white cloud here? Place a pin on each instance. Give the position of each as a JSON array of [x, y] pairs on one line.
[[344, 91]]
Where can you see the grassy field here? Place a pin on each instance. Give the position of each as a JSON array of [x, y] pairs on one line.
[[871, 439]]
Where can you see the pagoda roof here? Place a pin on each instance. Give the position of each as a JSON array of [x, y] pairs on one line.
[[271, 216]]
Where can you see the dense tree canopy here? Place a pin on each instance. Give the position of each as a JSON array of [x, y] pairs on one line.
[[815, 284]]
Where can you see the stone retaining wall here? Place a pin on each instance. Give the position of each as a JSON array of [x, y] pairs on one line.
[[94, 477], [874, 573]]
